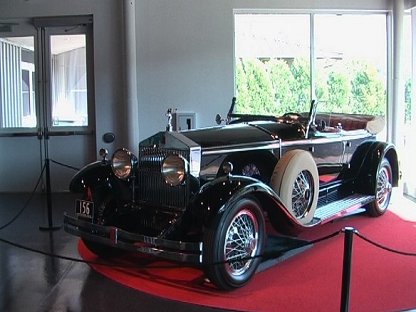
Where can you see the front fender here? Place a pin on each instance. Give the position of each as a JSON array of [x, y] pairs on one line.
[[220, 194], [92, 174]]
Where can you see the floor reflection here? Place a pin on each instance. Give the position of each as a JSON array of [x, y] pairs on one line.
[[35, 282]]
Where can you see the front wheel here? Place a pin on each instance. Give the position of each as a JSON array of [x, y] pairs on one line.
[[383, 189], [233, 243]]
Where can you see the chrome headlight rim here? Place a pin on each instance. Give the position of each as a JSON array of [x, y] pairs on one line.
[[174, 170], [123, 163]]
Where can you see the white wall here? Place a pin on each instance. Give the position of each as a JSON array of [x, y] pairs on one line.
[[185, 60], [185, 53]]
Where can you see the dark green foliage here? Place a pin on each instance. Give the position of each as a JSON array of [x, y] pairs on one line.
[[277, 86], [408, 100]]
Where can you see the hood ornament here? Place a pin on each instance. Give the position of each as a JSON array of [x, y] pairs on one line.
[[169, 114]]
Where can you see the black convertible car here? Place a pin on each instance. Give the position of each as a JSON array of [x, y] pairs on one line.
[[205, 196]]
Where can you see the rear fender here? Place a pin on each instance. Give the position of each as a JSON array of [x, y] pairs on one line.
[[93, 174], [366, 160]]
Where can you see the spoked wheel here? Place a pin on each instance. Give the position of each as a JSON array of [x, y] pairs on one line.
[[295, 179], [302, 194], [232, 244], [383, 189]]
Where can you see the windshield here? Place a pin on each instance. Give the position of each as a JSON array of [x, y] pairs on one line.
[[239, 108]]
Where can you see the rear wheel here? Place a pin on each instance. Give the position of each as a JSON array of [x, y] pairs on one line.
[[383, 189], [232, 244]]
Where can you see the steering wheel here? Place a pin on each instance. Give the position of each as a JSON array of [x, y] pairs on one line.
[[291, 115]]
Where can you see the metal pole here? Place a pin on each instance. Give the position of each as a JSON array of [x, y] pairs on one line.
[[50, 226], [48, 192], [44, 99], [346, 269]]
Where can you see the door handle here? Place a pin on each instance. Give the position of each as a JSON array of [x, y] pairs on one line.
[[40, 134], [43, 133]]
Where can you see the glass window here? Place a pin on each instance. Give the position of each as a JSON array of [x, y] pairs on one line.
[[351, 63], [408, 166], [69, 80], [407, 66], [272, 56], [26, 92], [17, 88], [273, 70]]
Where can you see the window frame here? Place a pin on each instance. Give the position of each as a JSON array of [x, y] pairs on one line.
[[39, 29], [313, 73]]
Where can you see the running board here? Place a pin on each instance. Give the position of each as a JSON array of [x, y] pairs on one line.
[[340, 208]]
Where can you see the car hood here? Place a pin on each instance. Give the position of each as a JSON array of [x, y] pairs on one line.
[[244, 133]]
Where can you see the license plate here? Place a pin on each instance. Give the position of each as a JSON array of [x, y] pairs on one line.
[[84, 209]]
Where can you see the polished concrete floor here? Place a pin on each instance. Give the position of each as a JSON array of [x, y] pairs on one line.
[[31, 281]]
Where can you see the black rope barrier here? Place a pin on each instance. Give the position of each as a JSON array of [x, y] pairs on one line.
[[52, 255], [45, 168], [26, 204], [403, 253], [265, 256], [347, 262], [50, 226], [274, 254], [326, 237], [346, 272], [64, 165]]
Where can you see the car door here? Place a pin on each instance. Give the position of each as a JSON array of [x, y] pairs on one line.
[[328, 150]]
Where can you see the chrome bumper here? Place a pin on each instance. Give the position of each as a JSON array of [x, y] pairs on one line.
[[189, 252]]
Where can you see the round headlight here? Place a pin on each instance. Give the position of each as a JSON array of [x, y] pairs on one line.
[[174, 170], [122, 163]]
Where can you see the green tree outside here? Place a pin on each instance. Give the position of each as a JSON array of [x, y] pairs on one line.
[[408, 100], [257, 96], [277, 86]]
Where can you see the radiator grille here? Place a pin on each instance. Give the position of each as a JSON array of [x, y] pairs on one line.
[[153, 190]]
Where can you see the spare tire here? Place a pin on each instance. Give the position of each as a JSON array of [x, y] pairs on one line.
[[296, 180]]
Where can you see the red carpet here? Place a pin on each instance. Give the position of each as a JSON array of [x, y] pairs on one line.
[[310, 281]]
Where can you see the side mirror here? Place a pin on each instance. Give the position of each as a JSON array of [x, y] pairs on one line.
[[218, 119]]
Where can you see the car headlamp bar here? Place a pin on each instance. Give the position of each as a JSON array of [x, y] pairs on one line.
[[123, 163], [174, 169]]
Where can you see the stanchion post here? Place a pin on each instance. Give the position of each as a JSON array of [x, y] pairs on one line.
[[48, 191], [50, 226], [346, 269]]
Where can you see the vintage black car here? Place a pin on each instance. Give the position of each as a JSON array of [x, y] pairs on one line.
[[206, 196]]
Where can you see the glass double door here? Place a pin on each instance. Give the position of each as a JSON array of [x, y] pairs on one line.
[[46, 101]]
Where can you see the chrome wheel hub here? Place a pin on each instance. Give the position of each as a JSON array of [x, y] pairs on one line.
[[302, 194], [241, 242], [384, 188]]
